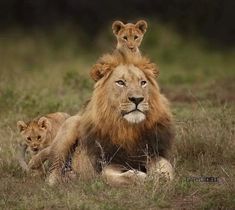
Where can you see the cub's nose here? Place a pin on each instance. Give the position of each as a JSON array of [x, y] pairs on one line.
[[35, 149], [136, 100], [131, 48]]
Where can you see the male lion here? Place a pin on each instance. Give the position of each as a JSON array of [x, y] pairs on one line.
[[125, 130]]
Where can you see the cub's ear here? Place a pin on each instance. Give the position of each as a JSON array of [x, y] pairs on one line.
[[117, 26], [21, 125], [142, 25], [44, 123], [98, 71]]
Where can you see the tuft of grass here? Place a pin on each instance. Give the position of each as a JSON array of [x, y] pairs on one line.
[[206, 134]]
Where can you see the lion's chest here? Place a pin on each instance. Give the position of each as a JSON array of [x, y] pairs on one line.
[[135, 157]]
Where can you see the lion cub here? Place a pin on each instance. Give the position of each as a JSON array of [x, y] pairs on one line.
[[38, 134], [129, 36]]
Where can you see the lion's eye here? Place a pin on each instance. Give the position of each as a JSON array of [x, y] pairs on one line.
[[39, 137], [136, 37], [120, 83], [143, 83], [28, 138], [125, 37]]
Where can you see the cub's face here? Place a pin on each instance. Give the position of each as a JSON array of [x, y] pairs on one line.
[[35, 133], [129, 36], [128, 93]]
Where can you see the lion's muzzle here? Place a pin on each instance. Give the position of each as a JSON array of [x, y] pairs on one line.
[[135, 109], [136, 100]]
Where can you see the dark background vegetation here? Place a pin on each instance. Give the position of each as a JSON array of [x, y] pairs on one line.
[[212, 19]]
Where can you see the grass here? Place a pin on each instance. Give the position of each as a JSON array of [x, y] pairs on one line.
[[47, 71]]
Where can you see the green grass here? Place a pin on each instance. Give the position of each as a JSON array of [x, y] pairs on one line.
[[48, 71]]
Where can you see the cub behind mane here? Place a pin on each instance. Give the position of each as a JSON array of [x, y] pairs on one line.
[[109, 61]]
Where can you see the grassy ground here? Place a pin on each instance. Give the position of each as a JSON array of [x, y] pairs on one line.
[[44, 72]]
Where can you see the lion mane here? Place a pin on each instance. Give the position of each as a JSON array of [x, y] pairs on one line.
[[108, 138], [103, 137]]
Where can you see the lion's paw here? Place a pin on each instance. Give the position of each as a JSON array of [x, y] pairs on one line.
[[162, 168], [56, 177], [34, 163]]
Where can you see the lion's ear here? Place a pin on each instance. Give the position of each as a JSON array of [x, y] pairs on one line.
[[44, 123], [152, 69], [98, 71], [142, 25], [21, 125], [117, 26], [156, 72]]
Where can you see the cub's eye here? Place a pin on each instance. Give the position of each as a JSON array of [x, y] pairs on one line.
[[120, 83], [125, 37], [143, 83], [39, 137], [135, 37], [28, 138]]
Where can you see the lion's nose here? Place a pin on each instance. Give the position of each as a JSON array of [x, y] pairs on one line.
[[34, 148], [136, 100]]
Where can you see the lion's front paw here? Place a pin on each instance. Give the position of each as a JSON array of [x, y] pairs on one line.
[[53, 178], [24, 165], [162, 168], [37, 173], [57, 177], [34, 163]]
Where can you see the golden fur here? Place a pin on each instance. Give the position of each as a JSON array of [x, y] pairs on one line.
[[125, 127], [38, 134], [129, 36]]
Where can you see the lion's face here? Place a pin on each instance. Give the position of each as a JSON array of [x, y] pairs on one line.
[[34, 137], [127, 93], [34, 134], [129, 36]]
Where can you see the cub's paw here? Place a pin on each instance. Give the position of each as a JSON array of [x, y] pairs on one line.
[[37, 173], [34, 163]]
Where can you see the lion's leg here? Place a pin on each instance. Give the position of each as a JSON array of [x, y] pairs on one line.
[[83, 164], [117, 175], [38, 159], [39, 172], [20, 156], [61, 147], [160, 167]]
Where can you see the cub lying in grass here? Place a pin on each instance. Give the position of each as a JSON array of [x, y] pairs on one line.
[[38, 134]]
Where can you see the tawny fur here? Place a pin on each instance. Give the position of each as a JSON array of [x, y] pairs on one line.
[[38, 134], [127, 44], [105, 138], [67, 132], [129, 36]]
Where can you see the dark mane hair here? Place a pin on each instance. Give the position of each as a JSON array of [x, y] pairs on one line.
[[109, 138]]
